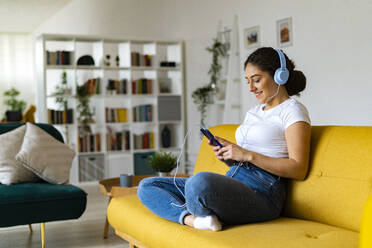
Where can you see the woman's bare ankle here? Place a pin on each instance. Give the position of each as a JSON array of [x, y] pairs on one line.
[[189, 220]]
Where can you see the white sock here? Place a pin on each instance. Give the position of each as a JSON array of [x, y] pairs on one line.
[[208, 222]]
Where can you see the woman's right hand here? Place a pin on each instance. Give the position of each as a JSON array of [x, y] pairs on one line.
[[228, 162]]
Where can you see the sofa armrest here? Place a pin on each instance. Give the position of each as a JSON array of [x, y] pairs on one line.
[[365, 238]]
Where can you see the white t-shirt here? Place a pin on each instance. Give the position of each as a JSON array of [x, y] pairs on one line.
[[263, 131]]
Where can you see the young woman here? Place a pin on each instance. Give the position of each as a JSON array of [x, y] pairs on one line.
[[273, 143]]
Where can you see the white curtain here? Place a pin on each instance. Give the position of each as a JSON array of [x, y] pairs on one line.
[[16, 67]]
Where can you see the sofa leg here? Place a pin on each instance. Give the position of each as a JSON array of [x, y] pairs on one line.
[[105, 231], [30, 227], [42, 230]]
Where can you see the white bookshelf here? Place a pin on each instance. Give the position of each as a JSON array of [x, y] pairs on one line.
[[48, 76]]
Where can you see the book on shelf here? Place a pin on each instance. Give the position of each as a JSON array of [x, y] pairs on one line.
[[117, 86], [113, 115], [142, 113], [89, 143], [117, 141], [142, 86], [93, 86], [144, 141], [138, 59], [58, 57], [60, 116]]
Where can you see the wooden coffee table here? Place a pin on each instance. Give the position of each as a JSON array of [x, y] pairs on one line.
[[111, 188]]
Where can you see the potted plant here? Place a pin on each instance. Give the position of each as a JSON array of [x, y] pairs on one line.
[[83, 109], [204, 95], [163, 162], [16, 107]]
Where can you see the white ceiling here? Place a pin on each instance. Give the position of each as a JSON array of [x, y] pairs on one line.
[[27, 15]]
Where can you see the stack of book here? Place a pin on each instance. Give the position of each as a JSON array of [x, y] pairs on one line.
[[60, 116], [118, 141], [93, 86], [116, 115], [142, 113], [144, 141], [142, 86], [116, 86], [140, 60], [58, 58], [89, 143]]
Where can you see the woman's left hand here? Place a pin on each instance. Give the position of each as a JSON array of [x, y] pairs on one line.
[[231, 151]]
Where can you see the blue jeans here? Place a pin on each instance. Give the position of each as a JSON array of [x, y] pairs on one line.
[[245, 194]]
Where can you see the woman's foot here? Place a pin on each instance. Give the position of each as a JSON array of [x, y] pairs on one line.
[[210, 222]]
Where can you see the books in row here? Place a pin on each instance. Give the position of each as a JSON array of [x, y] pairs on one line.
[[58, 57], [93, 86], [117, 86], [138, 59], [118, 141], [142, 86], [91, 168], [116, 115], [60, 116], [143, 113], [144, 141], [89, 143]]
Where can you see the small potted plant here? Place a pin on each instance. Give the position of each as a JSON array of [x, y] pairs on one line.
[[163, 162], [16, 107]]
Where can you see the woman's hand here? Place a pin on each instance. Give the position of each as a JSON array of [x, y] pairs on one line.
[[229, 151]]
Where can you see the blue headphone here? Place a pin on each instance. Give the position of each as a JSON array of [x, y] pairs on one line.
[[281, 74]]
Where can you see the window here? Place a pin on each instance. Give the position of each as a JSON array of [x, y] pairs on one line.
[[16, 67]]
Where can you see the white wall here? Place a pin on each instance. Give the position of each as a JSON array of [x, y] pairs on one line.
[[331, 44]]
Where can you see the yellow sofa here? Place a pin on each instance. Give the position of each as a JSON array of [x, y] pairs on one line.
[[325, 210]]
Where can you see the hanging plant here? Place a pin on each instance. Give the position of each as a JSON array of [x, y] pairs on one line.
[[201, 98], [204, 95], [83, 109]]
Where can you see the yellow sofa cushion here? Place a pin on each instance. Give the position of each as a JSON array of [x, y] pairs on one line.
[[339, 181], [340, 178], [128, 215], [206, 160]]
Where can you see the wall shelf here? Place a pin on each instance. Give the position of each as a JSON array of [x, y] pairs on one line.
[[104, 133]]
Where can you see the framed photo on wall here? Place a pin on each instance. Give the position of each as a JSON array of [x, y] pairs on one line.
[[252, 37], [284, 32]]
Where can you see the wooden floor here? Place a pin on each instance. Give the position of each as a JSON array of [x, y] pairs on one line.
[[87, 231]]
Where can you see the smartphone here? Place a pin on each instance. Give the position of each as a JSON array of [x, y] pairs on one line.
[[210, 136]]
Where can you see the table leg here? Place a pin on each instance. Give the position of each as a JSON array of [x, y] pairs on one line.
[[105, 232]]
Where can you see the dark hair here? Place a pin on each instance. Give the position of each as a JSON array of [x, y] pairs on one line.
[[267, 59]]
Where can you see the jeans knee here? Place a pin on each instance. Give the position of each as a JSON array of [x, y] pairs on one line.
[[144, 186], [199, 183]]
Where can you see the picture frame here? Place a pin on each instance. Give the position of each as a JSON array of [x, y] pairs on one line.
[[165, 85], [284, 32], [252, 37]]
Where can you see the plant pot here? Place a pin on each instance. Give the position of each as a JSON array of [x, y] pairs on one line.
[[162, 174], [13, 115], [209, 99]]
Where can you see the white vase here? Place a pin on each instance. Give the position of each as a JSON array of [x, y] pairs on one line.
[[162, 174]]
